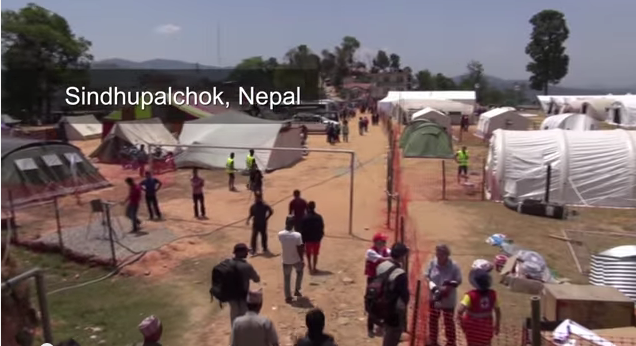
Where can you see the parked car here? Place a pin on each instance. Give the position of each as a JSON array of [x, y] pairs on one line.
[[313, 122]]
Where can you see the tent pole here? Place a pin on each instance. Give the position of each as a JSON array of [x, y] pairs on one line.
[[150, 159], [302, 150]]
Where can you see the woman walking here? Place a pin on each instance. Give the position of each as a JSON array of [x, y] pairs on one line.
[[475, 313]]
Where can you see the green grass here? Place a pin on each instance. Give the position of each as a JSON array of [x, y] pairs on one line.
[[116, 305]]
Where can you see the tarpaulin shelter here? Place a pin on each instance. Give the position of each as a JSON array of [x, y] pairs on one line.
[[234, 128], [81, 127], [35, 171], [425, 139], [590, 168], [145, 131], [173, 116], [500, 118]]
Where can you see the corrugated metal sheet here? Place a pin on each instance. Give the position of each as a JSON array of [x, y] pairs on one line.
[[616, 267]]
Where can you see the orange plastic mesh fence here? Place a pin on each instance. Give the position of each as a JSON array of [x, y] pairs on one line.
[[428, 325]]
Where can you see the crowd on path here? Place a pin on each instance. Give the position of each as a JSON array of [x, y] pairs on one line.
[[386, 296]]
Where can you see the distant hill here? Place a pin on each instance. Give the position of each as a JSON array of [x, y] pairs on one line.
[[154, 64], [503, 84], [125, 73], [191, 70]]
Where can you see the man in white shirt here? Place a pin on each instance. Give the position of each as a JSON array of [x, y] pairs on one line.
[[293, 250]]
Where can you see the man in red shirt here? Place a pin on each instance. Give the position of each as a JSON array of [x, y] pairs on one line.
[[297, 209], [133, 199]]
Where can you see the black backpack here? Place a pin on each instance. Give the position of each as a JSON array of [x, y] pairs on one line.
[[379, 300], [226, 281]]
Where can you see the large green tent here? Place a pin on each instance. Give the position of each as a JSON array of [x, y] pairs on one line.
[[426, 139]]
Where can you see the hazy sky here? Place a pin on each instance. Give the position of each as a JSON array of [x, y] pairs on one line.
[[439, 35]]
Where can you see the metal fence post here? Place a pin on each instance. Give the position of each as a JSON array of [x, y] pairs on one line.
[[535, 303], [443, 180], [397, 212], [111, 239], [44, 307], [416, 309], [59, 225]]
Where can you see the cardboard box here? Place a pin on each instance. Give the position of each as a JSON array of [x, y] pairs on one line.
[[594, 307]]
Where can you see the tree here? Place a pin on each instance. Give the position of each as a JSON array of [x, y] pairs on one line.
[[327, 63], [475, 76], [349, 46], [395, 62], [302, 57], [40, 55], [546, 49], [425, 80], [381, 61], [444, 83], [255, 71]]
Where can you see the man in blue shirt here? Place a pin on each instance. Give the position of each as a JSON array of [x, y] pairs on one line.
[[151, 185]]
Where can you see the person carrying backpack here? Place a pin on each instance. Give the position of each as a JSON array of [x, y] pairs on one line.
[[374, 256], [231, 281], [387, 295]]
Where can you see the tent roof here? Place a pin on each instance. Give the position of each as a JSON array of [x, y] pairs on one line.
[[233, 117], [496, 112], [555, 120], [142, 132], [80, 119], [7, 119], [11, 144], [426, 110], [432, 95]]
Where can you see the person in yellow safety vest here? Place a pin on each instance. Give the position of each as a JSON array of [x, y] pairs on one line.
[[250, 164], [462, 160], [229, 168]]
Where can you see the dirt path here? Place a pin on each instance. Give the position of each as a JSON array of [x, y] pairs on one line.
[[339, 293]]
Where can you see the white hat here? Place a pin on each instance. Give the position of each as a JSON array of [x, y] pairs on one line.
[[150, 326]]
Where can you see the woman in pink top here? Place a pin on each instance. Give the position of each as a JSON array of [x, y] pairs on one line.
[[197, 194]]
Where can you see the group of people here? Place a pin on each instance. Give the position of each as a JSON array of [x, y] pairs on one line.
[[387, 297], [231, 279], [150, 186]]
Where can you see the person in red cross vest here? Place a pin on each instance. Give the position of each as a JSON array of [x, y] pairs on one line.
[[477, 308], [375, 255]]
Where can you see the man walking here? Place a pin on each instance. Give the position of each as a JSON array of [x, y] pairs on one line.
[[395, 318], [229, 168], [253, 329], [133, 200], [345, 131], [256, 180], [247, 273], [312, 231], [260, 212], [461, 157], [297, 209], [151, 186], [197, 194], [293, 252], [250, 163]]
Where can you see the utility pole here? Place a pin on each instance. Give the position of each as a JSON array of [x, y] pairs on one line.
[[218, 45]]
